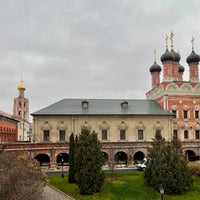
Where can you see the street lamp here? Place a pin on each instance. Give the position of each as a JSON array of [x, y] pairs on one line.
[[62, 161], [162, 191]]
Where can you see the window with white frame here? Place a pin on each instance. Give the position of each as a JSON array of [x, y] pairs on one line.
[[104, 134], [62, 134], [196, 114], [185, 114], [122, 134], [46, 135], [140, 134], [197, 133], [186, 134]]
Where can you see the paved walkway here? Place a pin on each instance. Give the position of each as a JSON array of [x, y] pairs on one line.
[[51, 193]]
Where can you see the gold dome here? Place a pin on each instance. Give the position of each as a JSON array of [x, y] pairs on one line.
[[21, 86]]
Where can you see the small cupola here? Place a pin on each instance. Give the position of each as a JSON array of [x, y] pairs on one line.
[[124, 104], [85, 104]]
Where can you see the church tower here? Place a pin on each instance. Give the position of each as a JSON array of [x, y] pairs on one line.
[[180, 97], [21, 104]]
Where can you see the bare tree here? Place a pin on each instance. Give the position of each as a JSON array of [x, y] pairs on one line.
[[20, 177]]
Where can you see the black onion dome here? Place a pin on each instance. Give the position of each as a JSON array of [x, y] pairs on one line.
[[181, 69], [155, 68], [167, 56], [176, 56], [193, 57]]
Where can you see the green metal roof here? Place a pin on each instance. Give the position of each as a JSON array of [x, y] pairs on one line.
[[103, 107]]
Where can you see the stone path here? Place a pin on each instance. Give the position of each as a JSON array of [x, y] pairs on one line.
[[51, 193]]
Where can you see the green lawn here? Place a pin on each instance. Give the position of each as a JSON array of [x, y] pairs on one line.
[[125, 186]]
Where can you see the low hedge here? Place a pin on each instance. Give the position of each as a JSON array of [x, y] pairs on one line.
[[194, 168]]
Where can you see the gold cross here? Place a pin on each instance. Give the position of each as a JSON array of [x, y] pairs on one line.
[[166, 40], [154, 52], [171, 38], [192, 41]]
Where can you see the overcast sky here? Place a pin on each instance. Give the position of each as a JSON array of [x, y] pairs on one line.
[[88, 48]]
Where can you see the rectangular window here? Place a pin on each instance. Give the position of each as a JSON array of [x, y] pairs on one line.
[[186, 134], [46, 135], [122, 134], [196, 114], [62, 135], [20, 104], [175, 133], [158, 132], [174, 112], [140, 135], [104, 134], [185, 114], [197, 134]]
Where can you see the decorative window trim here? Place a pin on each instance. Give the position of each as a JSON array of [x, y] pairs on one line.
[[46, 126], [86, 125], [197, 126], [61, 126], [140, 126], [187, 126], [158, 126], [175, 125], [104, 126], [186, 107], [123, 126]]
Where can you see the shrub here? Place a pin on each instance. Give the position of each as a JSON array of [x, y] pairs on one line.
[[194, 168], [167, 166], [20, 177], [88, 162], [71, 176]]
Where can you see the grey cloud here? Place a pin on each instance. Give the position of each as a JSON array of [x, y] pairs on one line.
[[87, 48]]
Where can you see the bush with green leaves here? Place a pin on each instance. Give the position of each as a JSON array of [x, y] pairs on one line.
[[71, 176], [167, 166], [89, 161]]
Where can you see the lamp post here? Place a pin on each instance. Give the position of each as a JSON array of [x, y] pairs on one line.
[[162, 191], [62, 161]]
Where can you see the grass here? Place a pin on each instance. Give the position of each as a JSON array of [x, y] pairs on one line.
[[124, 186]]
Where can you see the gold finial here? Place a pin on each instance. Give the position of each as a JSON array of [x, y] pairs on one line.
[[154, 53], [21, 86], [166, 40], [192, 41], [171, 38]]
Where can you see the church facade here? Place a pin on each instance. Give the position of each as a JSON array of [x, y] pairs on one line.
[[179, 96]]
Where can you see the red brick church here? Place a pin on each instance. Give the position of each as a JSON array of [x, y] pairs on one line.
[[181, 97]]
